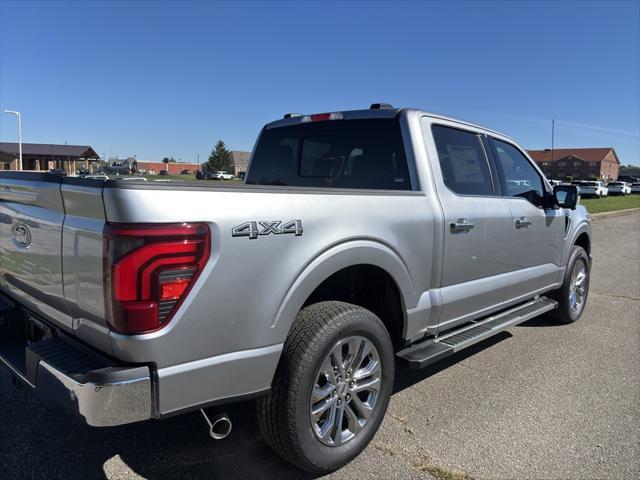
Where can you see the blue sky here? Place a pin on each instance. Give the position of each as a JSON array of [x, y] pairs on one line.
[[159, 79]]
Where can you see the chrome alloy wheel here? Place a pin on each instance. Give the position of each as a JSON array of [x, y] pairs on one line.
[[345, 391], [578, 286]]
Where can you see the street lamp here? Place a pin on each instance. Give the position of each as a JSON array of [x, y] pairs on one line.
[[17, 114]]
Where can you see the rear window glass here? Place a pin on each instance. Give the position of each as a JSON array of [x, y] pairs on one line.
[[366, 154]]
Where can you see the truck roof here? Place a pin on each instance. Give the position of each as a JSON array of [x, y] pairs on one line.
[[380, 113]]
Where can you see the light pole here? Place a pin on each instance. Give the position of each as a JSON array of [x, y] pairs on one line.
[[17, 114]]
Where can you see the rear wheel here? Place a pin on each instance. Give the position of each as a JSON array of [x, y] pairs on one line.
[[331, 388], [572, 296]]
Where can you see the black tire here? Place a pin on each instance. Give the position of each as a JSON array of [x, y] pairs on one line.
[[564, 313], [284, 414]]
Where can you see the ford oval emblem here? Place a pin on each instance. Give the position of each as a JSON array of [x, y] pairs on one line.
[[22, 235]]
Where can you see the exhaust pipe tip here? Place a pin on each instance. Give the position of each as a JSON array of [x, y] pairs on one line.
[[219, 425]]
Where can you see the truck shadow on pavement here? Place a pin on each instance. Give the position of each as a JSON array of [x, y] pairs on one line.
[[41, 441], [542, 321]]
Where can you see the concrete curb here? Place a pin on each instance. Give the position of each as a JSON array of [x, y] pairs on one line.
[[615, 213]]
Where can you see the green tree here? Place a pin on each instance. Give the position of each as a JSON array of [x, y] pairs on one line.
[[220, 158]]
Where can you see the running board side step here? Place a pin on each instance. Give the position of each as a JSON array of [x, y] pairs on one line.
[[425, 353]]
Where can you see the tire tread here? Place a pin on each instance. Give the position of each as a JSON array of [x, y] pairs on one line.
[[276, 411]]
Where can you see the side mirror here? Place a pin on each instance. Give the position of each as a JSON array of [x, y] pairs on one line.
[[567, 196]]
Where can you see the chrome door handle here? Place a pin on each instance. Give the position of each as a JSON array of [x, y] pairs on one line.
[[462, 225], [522, 222]]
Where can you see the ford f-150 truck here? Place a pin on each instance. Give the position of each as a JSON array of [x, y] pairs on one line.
[[360, 240]]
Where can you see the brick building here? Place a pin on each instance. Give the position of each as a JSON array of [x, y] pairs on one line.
[[47, 156], [239, 162], [578, 163], [174, 168]]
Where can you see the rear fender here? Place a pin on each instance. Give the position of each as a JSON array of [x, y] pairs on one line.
[[334, 259]]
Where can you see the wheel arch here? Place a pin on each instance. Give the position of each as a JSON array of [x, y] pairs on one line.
[[581, 236], [584, 240], [341, 262]]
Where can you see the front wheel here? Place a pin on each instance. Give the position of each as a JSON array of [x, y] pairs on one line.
[[331, 388], [572, 296]]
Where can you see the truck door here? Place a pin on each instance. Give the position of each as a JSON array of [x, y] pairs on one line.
[[536, 231], [477, 224]]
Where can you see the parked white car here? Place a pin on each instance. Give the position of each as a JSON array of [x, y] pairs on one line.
[[219, 175], [619, 188], [593, 189], [635, 187]]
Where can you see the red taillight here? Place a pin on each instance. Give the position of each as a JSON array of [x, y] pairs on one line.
[[319, 117], [150, 270], [173, 290]]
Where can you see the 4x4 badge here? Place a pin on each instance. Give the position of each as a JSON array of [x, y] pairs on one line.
[[253, 229]]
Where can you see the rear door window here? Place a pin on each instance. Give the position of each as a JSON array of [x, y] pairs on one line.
[[365, 154], [464, 165]]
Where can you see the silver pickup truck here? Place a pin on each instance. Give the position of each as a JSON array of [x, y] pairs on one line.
[[360, 240]]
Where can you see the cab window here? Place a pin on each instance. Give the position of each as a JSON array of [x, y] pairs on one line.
[[519, 178], [464, 165]]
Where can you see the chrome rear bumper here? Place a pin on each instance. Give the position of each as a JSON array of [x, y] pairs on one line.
[[59, 369], [115, 397]]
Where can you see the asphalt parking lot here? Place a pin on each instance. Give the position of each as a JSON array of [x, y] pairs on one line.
[[538, 401]]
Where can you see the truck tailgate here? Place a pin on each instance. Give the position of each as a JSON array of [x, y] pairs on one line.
[[31, 222]]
